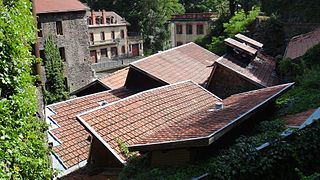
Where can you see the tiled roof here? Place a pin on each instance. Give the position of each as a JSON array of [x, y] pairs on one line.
[[140, 114], [194, 16], [55, 6], [170, 113], [116, 79], [206, 123], [299, 45], [186, 62], [261, 70], [74, 146], [298, 119]]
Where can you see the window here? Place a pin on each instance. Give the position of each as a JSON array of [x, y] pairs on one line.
[[122, 34], [114, 51], [189, 28], [39, 26], [62, 53], [102, 37], [179, 43], [123, 50], [104, 52], [90, 21], [43, 57], [91, 37], [112, 35], [108, 20], [200, 29], [98, 20], [140, 46], [111, 19], [130, 48], [66, 82], [59, 28], [179, 29]]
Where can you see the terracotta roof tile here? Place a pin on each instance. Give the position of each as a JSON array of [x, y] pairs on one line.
[[54, 6], [299, 45], [298, 119], [236, 44], [74, 146], [116, 79], [261, 70], [186, 62], [169, 113]]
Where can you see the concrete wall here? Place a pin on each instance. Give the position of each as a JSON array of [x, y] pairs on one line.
[[225, 82], [75, 42], [184, 37]]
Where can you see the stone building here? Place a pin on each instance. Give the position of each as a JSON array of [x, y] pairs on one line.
[[188, 27], [109, 38], [66, 22]]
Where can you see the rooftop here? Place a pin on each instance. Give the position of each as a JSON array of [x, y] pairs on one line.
[[299, 45], [185, 62], [179, 112], [261, 70], [249, 41], [73, 138], [298, 119], [116, 79], [194, 16], [241, 46], [56, 6]]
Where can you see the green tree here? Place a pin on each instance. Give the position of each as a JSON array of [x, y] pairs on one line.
[[23, 150], [55, 87]]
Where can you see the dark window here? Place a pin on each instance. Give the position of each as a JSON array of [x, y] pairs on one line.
[[123, 50], [108, 20], [114, 51], [122, 34], [98, 20], [59, 28], [179, 28], [112, 35], [90, 21], [189, 28], [140, 46], [200, 29], [39, 26], [62, 53], [111, 19], [129, 48], [91, 37], [179, 43], [43, 57], [66, 82], [102, 36], [104, 52]]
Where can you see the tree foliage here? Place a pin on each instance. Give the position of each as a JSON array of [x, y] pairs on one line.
[[23, 151], [55, 86]]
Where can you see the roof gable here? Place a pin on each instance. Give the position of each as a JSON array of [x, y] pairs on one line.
[[186, 62]]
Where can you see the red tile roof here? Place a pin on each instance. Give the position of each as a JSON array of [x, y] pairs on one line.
[[299, 118], [170, 113], [261, 70], [299, 45], [186, 62], [241, 46], [55, 6], [116, 79], [74, 146]]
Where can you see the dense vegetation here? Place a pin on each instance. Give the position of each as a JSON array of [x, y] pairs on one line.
[[23, 151], [56, 89]]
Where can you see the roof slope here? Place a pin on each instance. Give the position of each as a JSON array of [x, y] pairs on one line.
[[132, 118], [207, 123], [55, 6], [261, 70], [299, 45], [177, 112], [116, 79], [74, 146], [298, 119], [186, 62]]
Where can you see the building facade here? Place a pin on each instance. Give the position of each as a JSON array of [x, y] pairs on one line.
[[190, 26], [108, 35], [66, 22]]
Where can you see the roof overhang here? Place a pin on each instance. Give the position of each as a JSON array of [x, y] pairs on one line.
[[88, 86]]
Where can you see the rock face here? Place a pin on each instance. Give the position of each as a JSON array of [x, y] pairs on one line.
[[70, 32]]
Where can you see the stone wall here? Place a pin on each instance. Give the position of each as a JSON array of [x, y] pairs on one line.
[[75, 41], [225, 83]]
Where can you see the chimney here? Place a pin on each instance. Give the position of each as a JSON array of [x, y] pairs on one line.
[[93, 17], [104, 17], [219, 105]]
